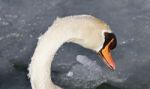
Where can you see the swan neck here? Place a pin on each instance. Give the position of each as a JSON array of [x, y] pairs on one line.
[[40, 67]]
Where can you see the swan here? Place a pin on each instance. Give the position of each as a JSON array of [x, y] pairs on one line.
[[85, 30]]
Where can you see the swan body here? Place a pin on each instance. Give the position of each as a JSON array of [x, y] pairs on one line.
[[84, 30]]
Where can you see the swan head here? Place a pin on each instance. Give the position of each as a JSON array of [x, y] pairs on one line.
[[91, 33], [102, 41], [96, 35], [109, 44]]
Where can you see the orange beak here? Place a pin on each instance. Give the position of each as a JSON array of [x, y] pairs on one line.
[[106, 55]]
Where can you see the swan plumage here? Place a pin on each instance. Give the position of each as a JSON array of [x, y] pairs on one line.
[[85, 30]]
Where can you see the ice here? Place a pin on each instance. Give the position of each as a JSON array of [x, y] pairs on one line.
[[70, 74], [84, 60]]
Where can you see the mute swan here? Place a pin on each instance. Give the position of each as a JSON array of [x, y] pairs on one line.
[[84, 30]]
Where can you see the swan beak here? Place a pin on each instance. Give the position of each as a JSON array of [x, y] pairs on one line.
[[106, 56]]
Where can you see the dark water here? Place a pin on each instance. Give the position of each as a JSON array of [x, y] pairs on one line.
[[106, 86]]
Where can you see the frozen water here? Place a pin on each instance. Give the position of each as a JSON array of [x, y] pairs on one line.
[[70, 74]]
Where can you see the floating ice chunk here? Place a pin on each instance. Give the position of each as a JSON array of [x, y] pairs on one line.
[[91, 65], [83, 60], [70, 74]]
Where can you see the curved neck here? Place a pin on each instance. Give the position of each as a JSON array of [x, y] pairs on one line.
[[75, 29], [40, 67]]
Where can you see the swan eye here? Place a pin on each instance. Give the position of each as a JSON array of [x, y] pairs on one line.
[[108, 38]]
